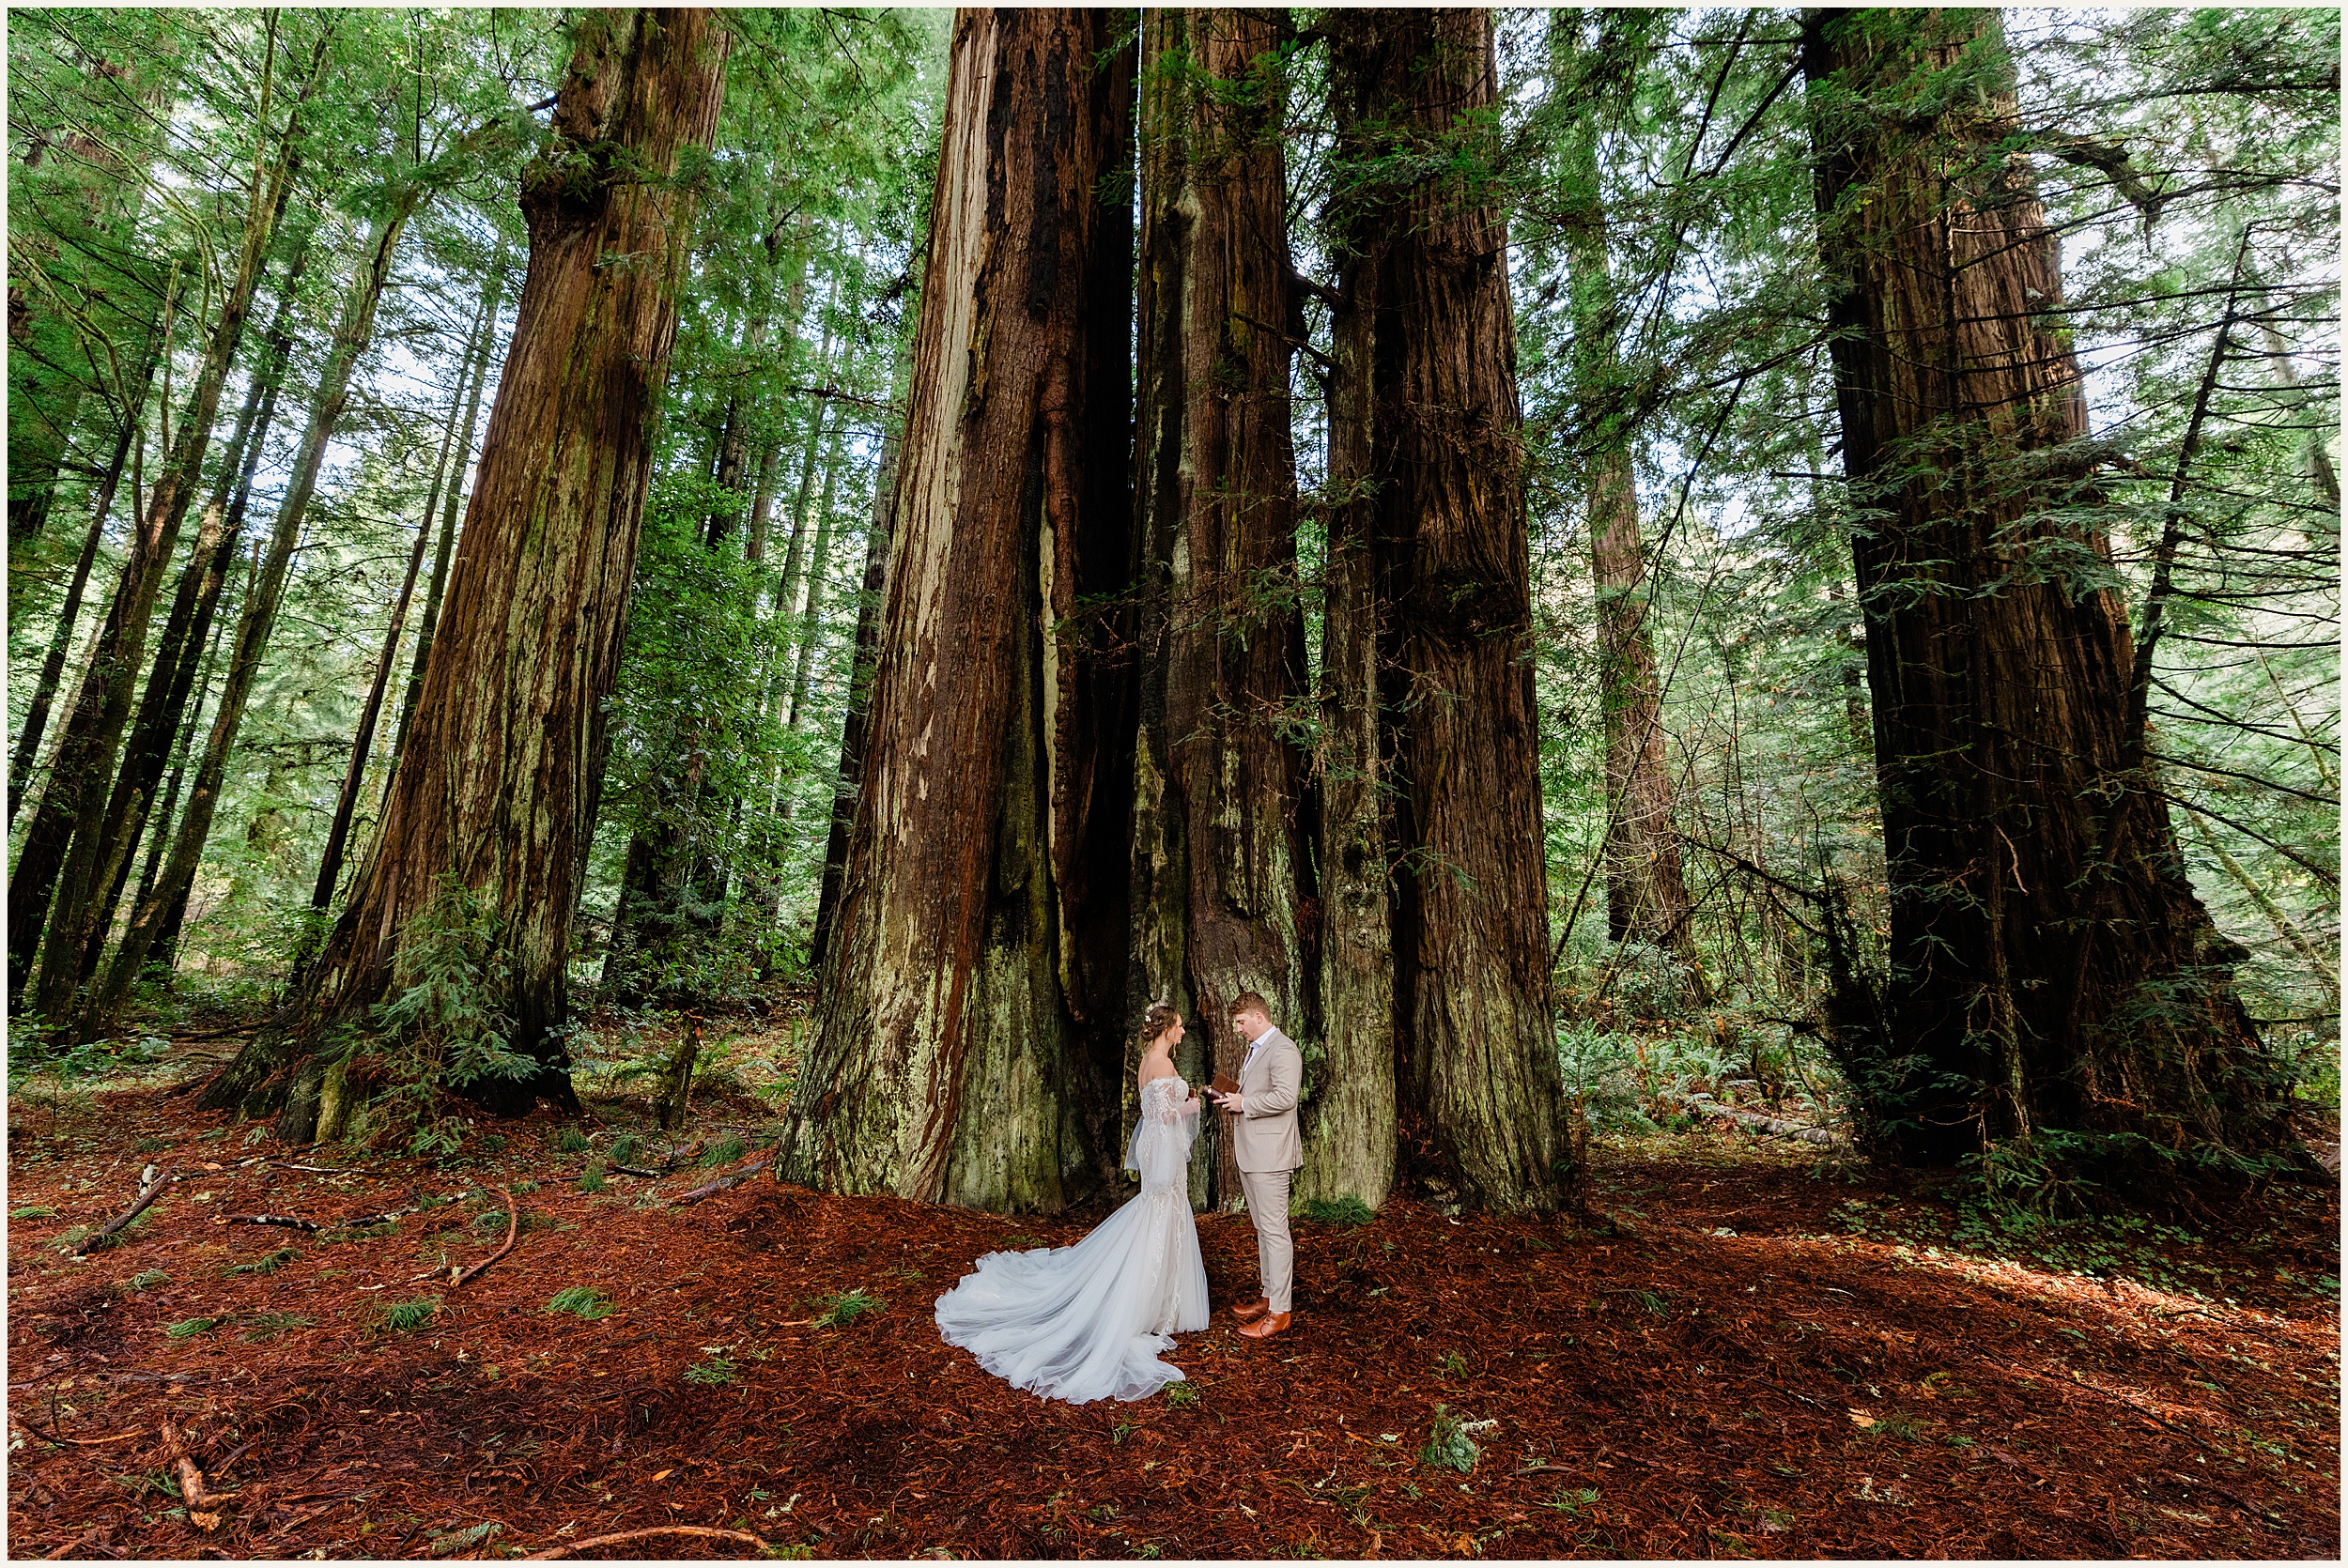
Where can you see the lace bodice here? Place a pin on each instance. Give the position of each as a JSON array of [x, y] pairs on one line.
[[1162, 1133], [1163, 1099]]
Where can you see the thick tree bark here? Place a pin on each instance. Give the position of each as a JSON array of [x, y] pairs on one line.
[[449, 483], [966, 1046], [496, 790], [61, 849], [2052, 971], [1221, 879], [1480, 1089]]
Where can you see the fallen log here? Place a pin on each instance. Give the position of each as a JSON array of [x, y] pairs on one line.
[[733, 1179], [1753, 1121]]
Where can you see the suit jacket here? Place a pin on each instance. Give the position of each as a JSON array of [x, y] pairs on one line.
[[1264, 1135]]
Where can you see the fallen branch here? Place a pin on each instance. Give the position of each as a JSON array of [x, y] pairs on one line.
[[513, 1233], [735, 1179], [287, 1220], [153, 1190], [647, 1173], [1755, 1122], [48, 1437], [705, 1531]]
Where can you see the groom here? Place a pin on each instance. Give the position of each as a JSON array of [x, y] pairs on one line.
[[1265, 1144]]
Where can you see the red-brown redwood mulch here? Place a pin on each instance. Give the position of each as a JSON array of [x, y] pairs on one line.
[[1789, 1389]]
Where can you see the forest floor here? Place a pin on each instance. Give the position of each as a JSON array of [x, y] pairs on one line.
[[1765, 1354]]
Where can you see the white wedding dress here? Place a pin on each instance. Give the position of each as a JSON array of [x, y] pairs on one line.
[[1088, 1321]]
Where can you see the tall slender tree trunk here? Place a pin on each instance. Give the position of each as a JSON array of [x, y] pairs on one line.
[[537, 604], [855, 726], [52, 662], [1646, 890], [1221, 877], [2052, 971], [353, 330], [818, 563], [965, 1043], [363, 742], [449, 483], [1481, 1087], [185, 642], [60, 851]]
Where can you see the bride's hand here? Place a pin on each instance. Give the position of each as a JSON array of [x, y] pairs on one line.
[[1190, 1107]]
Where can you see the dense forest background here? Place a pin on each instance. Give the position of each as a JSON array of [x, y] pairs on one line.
[[230, 548]]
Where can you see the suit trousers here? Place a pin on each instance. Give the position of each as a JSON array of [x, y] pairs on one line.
[[1266, 1195]]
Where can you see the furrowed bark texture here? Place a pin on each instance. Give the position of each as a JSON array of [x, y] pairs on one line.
[[1479, 1077], [962, 1054], [496, 789], [1220, 873], [451, 504], [2051, 968]]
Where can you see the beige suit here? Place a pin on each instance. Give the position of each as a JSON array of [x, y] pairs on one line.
[[1268, 1149]]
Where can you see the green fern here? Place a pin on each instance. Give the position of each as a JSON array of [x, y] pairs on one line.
[[583, 1302]]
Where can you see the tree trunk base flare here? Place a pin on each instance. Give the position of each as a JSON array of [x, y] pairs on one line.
[[974, 971], [1480, 1086], [448, 964], [2060, 1007]]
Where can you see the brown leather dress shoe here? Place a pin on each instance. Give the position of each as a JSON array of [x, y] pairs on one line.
[[1248, 1312], [1265, 1326]]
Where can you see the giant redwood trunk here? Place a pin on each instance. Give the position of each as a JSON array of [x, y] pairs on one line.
[[2053, 976], [1221, 876], [972, 1016], [1481, 1104], [494, 794]]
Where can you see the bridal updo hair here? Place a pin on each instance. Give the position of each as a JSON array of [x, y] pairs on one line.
[[1157, 1020]]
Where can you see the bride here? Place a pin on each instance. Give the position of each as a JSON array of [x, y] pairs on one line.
[[1087, 1322]]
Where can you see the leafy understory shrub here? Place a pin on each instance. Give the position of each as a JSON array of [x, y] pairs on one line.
[[1449, 1445], [570, 1140], [591, 1179], [624, 1148], [187, 1327], [449, 1027], [845, 1308], [1183, 1393], [1349, 1211], [408, 1316], [725, 1151], [715, 1373], [582, 1302], [32, 1211]]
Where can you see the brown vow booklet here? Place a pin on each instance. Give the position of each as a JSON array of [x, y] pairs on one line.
[[1223, 1085]]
